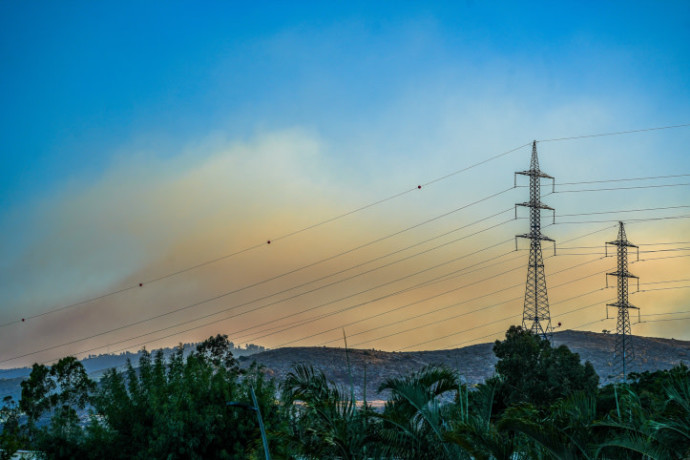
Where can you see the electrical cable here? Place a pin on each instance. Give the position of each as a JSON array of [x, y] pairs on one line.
[[614, 133], [469, 329], [281, 275], [630, 179], [442, 308], [223, 319], [242, 313], [502, 303], [608, 189]]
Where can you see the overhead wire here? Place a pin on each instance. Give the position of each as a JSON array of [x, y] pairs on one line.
[[262, 244], [453, 305], [461, 271], [470, 329], [609, 189], [570, 240], [222, 295], [300, 268], [554, 287], [235, 337], [614, 133], [235, 332], [380, 201]]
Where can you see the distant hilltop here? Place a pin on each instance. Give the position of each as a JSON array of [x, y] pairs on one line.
[[475, 363], [96, 365]]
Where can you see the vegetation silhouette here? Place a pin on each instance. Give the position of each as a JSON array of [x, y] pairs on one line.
[[541, 403]]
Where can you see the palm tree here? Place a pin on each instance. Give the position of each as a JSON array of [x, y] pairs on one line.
[[415, 418], [324, 423], [475, 432], [664, 435]]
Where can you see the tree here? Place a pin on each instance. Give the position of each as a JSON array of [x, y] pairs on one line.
[[178, 408], [531, 371], [59, 390], [11, 437], [416, 418], [323, 422]]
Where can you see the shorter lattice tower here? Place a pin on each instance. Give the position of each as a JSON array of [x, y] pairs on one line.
[[624, 353], [535, 315]]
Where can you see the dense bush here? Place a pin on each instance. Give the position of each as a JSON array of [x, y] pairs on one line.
[[542, 403]]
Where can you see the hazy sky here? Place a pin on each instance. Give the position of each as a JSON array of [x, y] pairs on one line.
[[141, 139]]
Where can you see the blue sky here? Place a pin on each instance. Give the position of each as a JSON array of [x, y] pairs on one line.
[[82, 80], [312, 109]]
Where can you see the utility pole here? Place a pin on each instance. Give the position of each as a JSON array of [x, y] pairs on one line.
[[535, 315], [624, 352]]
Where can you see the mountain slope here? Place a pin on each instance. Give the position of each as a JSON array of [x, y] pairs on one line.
[[474, 363]]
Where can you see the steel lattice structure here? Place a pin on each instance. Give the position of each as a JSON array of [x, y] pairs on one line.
[[624, 353], [535, 316]]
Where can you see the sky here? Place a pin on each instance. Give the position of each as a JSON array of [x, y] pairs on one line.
[[165, 143]]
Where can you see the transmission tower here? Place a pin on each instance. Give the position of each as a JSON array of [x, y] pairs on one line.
[[535, 316], [624, 352]]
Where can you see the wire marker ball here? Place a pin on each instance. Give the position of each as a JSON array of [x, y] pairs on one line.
[[141, 284], [268, 242], [419, 186], [22, 320]]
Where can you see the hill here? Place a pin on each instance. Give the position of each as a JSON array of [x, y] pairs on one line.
[[475, 363]]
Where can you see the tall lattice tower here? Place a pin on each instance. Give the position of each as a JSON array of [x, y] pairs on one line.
[[535, 316], [624, 352]]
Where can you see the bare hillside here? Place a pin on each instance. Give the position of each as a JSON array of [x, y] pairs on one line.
[[475, 363]]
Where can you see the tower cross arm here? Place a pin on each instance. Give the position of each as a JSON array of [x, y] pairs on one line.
[[539, 205], [535, 173], [624, 274], [619, 305], [535, 237], [622, 243]]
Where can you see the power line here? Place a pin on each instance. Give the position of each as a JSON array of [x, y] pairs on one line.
[[667, 281], [662, 258], [278, 238], [467, 285], [340, 216], [614, 133], [248, 311], [635, 220], [663, 320], [561, 253], [668, 313], [290, 272], [444, 308], [624, 211], [218, 259], [629, 179], [387, 296], [226, 318], [416, 328], [608, 189], [501, 303], [268, 322], [640, 244], [459, 332], [664, 289]]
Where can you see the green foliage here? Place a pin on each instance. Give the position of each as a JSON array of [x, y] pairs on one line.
[[475, 433], [323, 422], [11, 438], [415, 418], [531, 371], [179, 409], [542, 404]]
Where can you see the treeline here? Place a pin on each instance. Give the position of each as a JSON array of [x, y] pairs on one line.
[[542, 403]]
